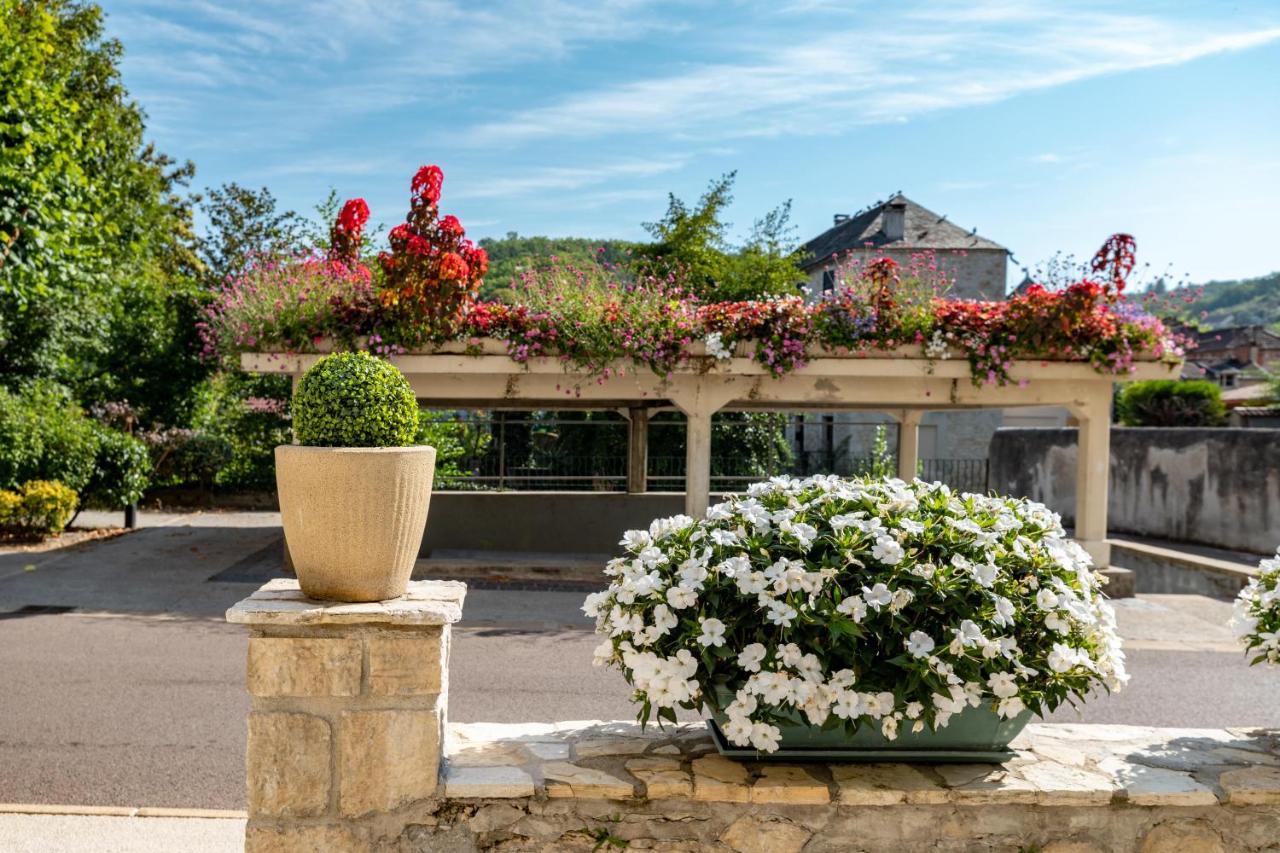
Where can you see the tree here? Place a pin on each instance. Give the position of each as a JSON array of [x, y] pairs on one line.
[[87, 209], [693, 243], [244, 223]]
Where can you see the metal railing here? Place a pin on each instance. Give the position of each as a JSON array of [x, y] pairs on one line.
[[544, 451]]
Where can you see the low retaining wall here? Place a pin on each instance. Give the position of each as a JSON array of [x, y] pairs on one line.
[[349, 750], [576, 522], [1217, 487]]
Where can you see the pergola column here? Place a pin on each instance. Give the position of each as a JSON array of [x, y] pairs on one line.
[[908, 443], [1093, 472], [637, 450], [700, 400]]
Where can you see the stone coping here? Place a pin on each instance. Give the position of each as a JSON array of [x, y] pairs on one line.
[[1055, 765], [280, 602]]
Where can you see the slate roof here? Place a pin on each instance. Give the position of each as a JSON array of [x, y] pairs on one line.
[[923, 230], [1237, 336]]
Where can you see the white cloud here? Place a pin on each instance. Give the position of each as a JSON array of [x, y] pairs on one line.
[[877, 67], [559, 179]]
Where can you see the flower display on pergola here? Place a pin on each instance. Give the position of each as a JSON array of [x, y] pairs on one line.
[[886, 339]]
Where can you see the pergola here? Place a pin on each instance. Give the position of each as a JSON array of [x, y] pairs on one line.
[[901, 384]]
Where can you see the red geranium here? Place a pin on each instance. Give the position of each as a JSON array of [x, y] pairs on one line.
[[453, 267], [449, 224], [345, 235], [427, 183], [355, 213]]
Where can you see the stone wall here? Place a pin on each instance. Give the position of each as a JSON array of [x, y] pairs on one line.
[[349, 750], [1216, 487], [978, 273]]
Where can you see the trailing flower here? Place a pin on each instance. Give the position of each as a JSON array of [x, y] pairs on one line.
[[1256, 615], [853, 603], [779, 327]]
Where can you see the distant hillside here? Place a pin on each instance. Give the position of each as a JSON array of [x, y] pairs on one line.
[[1239, 303], [511, 255]]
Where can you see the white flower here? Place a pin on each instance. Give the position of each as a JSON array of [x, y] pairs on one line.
[[1046, 599], [877, 596], [919, 644], [765, 737], [712, 633], [737, 731], [681, 597], [603, 654], [1011, 707], [853, 607], [969, 633], [716, 348], [985, 573], [889, 728], [1004, 611], [887, 551], [1002, 684], [901, 598], [781, 613], [751, 656], [724, 537]]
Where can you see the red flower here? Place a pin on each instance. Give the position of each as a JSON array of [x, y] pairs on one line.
[[400, 233], [355, 213], [427, 183], [418, 246], [452, 266], [449, 224], [478, 259]]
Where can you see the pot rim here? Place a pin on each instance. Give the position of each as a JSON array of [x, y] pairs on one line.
[[308, 448]]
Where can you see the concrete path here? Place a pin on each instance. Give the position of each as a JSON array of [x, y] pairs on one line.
[[110, 706]]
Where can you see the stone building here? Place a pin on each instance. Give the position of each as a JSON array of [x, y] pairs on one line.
[[899, 228], [1234, 357]]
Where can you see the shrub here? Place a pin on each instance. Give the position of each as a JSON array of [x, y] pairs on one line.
[[354, 400], [1256, 615], [44, 436], [120, 471], [184, 457], [1170, 403], [38, 508], [856, 602]]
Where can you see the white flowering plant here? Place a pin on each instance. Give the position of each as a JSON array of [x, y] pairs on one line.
[[1256, 615], [855, 602]]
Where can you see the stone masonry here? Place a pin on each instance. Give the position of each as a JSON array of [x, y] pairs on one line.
[[349, 751], [348, 712]]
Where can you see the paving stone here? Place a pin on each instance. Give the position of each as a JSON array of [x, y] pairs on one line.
[[406, 666], [494, 816], [386, 759], [304, 666], [788, 784], [596, 747], [490, 754], [487, 783], [548, 751], [1251, 786], [885, 785], [569, 780], [1060, 785], [1156, 786], [288, 765], [750, 834], [980, 784], [665, 749], [720, 779], [663, 778]]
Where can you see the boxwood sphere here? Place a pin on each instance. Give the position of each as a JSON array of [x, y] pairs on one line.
[[352, 399]]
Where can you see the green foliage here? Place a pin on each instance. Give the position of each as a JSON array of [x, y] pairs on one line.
[[883, 463], [513, 255], [453, 440], [1237, 303], [1171, 402], [244, 223], [120, 470], [693, 245], [238, 424], [44, 436], [38, 508], [354, 400], [183, 457]]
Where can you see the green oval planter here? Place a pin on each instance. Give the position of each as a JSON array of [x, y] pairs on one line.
[[973, 735]]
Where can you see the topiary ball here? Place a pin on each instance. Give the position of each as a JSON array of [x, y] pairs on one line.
[[352, 399]]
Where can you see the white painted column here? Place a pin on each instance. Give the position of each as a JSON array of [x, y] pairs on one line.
[[697, 464], [909, 443], [1093, 471]]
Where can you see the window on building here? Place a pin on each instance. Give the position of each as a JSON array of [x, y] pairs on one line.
[[828, 281]]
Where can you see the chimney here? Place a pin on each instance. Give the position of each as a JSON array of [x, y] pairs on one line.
[[839, 217], [894, 223]]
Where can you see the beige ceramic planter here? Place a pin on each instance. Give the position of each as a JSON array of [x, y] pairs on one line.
[[354, 517]]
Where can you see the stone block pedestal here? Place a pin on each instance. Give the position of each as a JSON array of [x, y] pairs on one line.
[[348, 713]]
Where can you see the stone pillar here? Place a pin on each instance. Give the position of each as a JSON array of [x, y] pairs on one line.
[[908, 443], [697, 465], [348, 713], [637, 450]]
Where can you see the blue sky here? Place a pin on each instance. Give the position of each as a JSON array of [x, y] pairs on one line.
[[1045, 125]]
